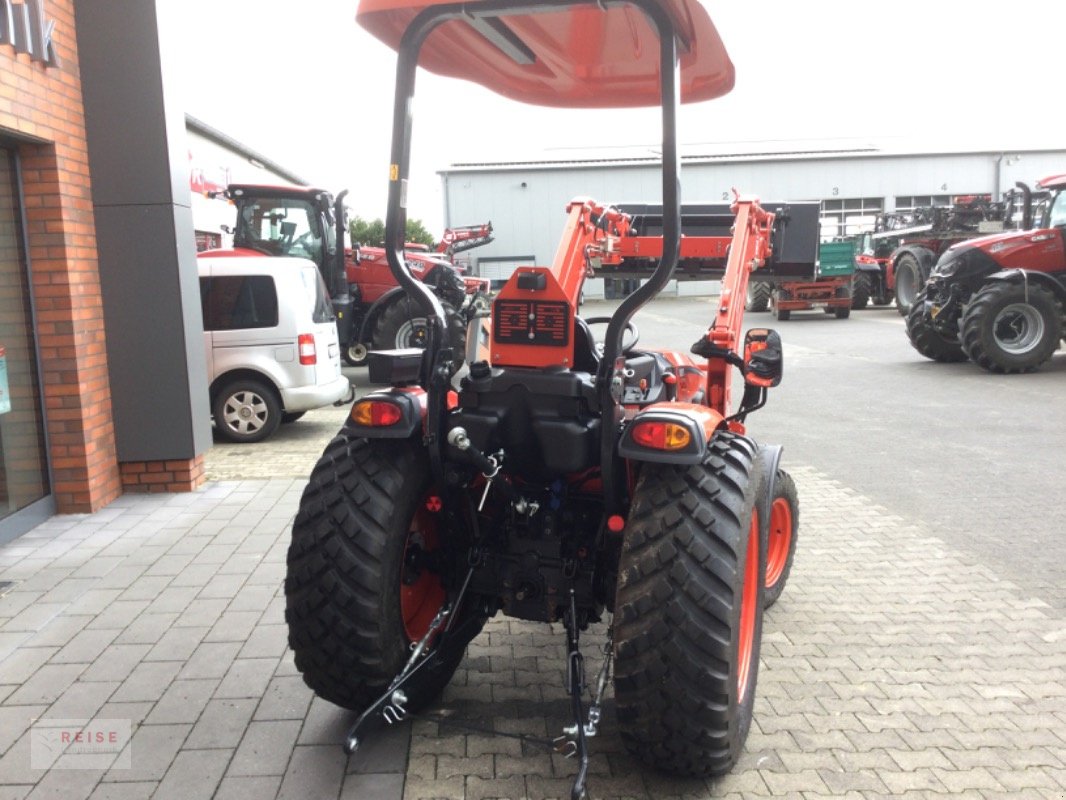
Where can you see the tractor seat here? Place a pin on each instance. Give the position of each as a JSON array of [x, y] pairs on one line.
[[586, 356]]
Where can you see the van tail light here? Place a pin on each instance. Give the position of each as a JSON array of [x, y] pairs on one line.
[[308, 354]]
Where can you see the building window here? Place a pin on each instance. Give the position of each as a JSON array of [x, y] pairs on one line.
[[23, 457], [841, 218], [907, 203]]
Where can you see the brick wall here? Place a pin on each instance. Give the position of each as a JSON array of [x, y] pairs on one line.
[[42, 109]]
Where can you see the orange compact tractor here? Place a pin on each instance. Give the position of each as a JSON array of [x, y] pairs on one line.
[[564, 480]]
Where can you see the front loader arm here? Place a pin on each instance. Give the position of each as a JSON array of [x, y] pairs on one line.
[[748, 251]]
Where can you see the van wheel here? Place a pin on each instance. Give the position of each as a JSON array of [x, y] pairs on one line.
[[246, 411]]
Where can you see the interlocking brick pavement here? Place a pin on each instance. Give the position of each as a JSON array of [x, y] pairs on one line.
[[892, 666]]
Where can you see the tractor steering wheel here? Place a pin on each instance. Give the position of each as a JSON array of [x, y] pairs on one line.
[[631, 329]]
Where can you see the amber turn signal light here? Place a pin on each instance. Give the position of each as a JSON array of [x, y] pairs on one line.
[[375, 414], [661, 435]]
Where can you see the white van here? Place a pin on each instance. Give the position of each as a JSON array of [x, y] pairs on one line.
[[271, 341]]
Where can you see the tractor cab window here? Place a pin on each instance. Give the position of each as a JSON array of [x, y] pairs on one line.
[[280, 228], [1057, 212]]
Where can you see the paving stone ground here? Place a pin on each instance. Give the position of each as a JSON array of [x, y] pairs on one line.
[[891, 667], [895, 665]]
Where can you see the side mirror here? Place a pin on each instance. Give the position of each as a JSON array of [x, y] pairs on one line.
[[763, 358], [226, 229]]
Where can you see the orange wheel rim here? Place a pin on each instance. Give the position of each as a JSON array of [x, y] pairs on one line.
[[749, 602], [421, 591], [780, 540]]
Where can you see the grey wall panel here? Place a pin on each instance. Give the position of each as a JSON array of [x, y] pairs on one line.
[[158, 393], [139, 168]]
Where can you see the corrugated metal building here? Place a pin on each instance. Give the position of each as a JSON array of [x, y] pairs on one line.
[[526, 201]]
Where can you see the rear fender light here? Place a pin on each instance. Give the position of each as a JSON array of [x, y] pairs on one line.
[[376, 413], [669, 433], [395, 414], [659, 435], [308, 353]]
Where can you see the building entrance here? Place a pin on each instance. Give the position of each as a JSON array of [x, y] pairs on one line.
[[23, 457]]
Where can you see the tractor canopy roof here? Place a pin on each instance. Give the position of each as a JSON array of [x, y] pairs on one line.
[[592, 55], [1053, 182]]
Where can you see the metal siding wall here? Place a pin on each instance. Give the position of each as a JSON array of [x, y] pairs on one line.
[[530, 220]]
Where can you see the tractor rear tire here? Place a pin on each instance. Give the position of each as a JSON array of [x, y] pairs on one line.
[[860, 291], [401, 325], [688, 612], [1009, 327], [353, 603], [910, 280], [758, 298], [927, 340], [783, 532]]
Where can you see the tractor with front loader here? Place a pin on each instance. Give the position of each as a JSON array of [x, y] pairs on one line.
[[999, 300], [371, 308], [567, 478]]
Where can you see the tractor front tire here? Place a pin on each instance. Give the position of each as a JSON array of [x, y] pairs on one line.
[[927, 340], [688, 612], [910, 280], [758, 298], [1009, 327], [783, 532], [357, 591], [402, 325], [355, 354]]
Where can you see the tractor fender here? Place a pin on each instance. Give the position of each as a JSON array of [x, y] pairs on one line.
[[926, 257], [701, 422], [767, 459], [1049, 282]]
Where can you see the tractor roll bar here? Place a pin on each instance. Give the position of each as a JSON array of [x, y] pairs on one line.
[[396, 217]]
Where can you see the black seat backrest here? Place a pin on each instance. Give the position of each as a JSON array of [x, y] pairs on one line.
[[586, 358]]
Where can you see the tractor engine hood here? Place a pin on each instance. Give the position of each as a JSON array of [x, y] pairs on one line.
[[1008, 247]]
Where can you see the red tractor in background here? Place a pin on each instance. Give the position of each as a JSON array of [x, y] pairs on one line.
[[563, 480], [895, 258], [372, 311], [998, 300]]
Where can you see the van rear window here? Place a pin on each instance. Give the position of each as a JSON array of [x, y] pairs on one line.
[[319, 296], [232, 302]]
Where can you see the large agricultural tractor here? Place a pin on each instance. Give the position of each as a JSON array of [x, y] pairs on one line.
[[371, 308], [564, 480], [998, 300], [895, 258]]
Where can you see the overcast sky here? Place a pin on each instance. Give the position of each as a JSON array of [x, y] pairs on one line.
[[303, 84]]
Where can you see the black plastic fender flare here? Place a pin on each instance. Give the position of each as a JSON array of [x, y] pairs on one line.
[[1043, 279], [370, 318], [767, 461]]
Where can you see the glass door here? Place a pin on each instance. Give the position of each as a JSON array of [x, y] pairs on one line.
[[23, 455]]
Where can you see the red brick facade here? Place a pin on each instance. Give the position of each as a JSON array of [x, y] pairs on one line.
[[41, 110]]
